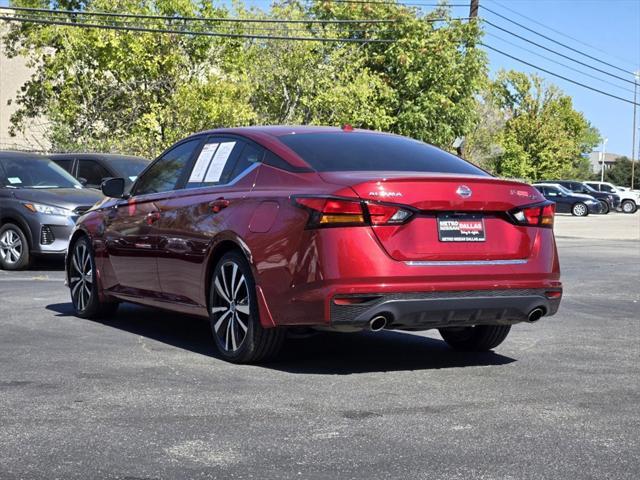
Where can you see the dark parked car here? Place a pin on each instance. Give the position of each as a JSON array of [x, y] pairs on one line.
[[39, 205], [610, 201], [577, 204], [262, 228], [92, 168]]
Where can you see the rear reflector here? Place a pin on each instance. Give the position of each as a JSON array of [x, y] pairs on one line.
[[329, 211], [536, 215]]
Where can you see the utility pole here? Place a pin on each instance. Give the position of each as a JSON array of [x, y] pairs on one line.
[[636, 78], [603, 158], [473, 8]]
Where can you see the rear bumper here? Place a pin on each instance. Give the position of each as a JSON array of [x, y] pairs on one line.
[[425, 310], [300, 288]]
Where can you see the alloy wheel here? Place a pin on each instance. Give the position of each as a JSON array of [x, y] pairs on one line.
[[230, 307], [580, 210], [628, 207], [81, 279], [11, 247]]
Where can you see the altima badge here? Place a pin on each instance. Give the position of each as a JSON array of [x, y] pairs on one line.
[[464, 191]]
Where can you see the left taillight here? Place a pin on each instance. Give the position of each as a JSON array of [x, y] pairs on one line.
[[536, 215], [335, 212]]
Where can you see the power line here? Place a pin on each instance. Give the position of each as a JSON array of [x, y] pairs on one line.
[[560, 76], [399, 4], [560, 32], [556, 41], [539, 45], [559, 63], [191, 19], [189, 32]]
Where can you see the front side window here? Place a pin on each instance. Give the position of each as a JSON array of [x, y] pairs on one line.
[[167, 172], [36, 172], [594, 186], [359, 151], [92, 172]]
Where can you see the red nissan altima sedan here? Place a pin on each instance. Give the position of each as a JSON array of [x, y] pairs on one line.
[[263, 228]]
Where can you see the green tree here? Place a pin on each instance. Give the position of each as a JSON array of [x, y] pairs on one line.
[[543, 136], [433, 67], [620, 173], [138, 92], [122, 90]]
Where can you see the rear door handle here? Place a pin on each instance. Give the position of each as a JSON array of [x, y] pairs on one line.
[[152, 217], [219, 204]]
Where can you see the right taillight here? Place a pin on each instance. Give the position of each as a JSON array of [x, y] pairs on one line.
[[536, 215]]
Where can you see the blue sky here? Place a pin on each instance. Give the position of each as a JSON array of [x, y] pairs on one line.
[[610, 27]]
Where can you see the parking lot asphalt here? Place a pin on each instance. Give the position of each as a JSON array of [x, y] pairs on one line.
[[143, 396]]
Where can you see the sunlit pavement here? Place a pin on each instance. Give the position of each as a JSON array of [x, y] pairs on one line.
[[143, 396]]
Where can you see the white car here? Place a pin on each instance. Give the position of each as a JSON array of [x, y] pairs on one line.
[[629, 199]]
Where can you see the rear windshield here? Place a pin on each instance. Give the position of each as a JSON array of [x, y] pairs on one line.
[[356, 151]]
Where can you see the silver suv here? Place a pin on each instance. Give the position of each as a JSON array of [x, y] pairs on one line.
[[39, 205]]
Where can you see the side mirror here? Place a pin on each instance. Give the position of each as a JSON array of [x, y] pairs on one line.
[[113, 187], [83, 181]]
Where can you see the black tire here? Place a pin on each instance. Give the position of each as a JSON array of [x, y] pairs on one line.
[[83, 284], [629, 206], [604, 207], [14, 248], [579, 209], [233, 314], [480, 338]]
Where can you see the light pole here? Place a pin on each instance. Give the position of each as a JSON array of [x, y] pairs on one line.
[[602, 158], [636, 79]]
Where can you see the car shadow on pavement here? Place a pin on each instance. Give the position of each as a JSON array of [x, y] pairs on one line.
[[48, 263], [321, 353]]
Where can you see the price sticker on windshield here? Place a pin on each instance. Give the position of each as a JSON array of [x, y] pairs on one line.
[[204, 159], [218, 161]]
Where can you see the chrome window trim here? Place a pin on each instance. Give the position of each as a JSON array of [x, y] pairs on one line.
[[240, 176]]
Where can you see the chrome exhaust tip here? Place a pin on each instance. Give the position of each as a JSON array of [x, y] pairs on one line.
[[377, 323], [535, 315]]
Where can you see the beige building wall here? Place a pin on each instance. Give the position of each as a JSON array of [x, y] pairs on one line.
[[13, 74]]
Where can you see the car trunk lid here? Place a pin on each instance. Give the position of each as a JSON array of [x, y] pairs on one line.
[[458, 217]]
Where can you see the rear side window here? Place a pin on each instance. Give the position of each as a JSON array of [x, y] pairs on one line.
[[92, 172], [250, 154], [66, 163], [356, 151], [221, 160]]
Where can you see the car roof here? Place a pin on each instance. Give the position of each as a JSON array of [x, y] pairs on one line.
[[267, 136], [94, 156], [10, 154], [281, 130]]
